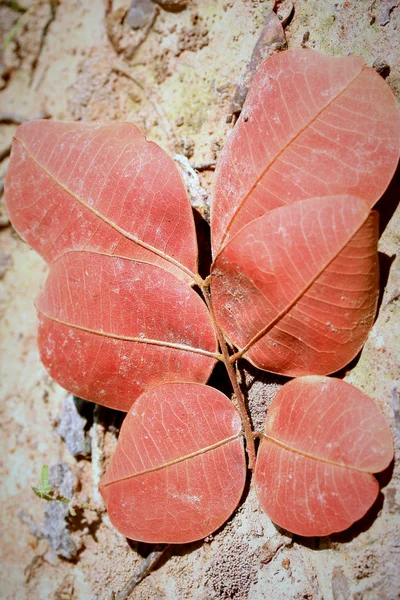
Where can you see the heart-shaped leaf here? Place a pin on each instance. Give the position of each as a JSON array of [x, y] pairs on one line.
[[105, 188], [312, 125], [323, 440], [179, 468], [296, 290], [111, 327]]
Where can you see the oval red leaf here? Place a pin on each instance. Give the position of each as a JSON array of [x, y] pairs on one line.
[[111, 327], [105, 188], [296, 290], [323, 439], [179, 468], [312, 125]]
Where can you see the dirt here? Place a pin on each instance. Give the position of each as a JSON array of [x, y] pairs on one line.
[[175, 76]]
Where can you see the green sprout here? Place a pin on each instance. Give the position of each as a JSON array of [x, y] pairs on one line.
[[46, 492], [12, 34]]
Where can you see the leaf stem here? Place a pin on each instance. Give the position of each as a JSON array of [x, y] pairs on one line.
[[234, 357], [250, 448]]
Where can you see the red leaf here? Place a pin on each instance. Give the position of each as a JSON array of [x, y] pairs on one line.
[[112, 327], [105, 188], [323, 439], [179, 468], [312, 125], [109, 211], [296, 290]]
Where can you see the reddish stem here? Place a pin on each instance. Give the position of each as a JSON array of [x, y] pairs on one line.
[[250, 448]]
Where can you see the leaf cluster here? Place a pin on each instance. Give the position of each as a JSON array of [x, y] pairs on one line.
[[293, 289]]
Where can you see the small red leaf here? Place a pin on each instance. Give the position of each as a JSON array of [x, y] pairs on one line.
[[323, 440], [105, 188], [111, 327], [296, 290], [312, 125], [179, 468]]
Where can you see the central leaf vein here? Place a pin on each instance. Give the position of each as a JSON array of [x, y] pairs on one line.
[[126, 338], [178, 460]]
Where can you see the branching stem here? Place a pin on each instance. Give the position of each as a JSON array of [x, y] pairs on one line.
[[232, 376]]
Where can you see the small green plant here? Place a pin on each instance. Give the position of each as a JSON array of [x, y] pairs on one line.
[[10, 36], [45, 491], [52, 494]]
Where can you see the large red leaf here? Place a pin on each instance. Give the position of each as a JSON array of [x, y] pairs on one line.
[[75, 186], [179, 468], [109, 211], [323, 439], [111, 327], [296, 290], [312, 125]]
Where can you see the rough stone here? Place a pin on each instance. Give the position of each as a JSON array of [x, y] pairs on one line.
[[55, 514], [72, 428], [140, 14]]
